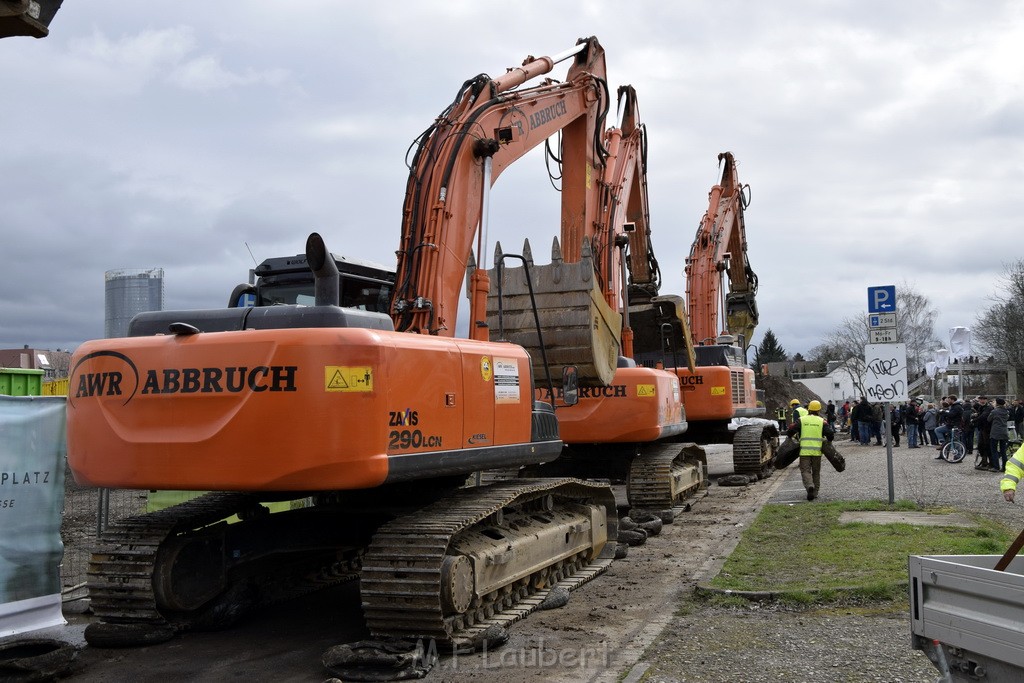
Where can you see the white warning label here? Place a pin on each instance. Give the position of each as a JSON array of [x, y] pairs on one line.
[[506, 380]]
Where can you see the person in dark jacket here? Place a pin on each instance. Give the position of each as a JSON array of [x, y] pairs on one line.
[[981, 425], [1017, 417], [998, 436], [969, 423], [894, 425], [877, 418], [952, 418], [912, 420], [861, 416]]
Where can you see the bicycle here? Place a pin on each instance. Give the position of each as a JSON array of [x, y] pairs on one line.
[[954, 450]]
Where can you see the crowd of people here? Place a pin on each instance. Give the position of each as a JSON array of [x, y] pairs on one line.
[[982, 424]]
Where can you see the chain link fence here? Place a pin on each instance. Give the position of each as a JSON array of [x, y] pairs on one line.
[[85, 509]]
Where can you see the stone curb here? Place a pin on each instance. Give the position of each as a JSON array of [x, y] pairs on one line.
[[768, 596]]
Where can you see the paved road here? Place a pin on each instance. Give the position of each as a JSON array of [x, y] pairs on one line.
[[917, 477]]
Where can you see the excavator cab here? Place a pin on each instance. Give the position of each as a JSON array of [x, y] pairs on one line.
[[287, 280], [661, 332]]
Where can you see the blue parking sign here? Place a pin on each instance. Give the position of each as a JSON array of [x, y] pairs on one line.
[[882, 299]]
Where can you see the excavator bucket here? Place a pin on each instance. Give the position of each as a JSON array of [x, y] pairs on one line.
[[577, 326], [741, 314]]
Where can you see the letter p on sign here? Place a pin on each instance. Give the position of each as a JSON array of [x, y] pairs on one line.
[[882, 299]]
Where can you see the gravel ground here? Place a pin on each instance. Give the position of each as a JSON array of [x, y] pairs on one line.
[[762, 644], [640, 617]]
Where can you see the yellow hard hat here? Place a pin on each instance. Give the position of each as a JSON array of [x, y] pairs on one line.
[[814, 406], [794, 402]]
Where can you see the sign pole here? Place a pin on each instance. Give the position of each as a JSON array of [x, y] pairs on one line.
[[885, 359], [888, 453]]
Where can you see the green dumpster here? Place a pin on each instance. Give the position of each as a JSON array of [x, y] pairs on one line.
[[21, 382]]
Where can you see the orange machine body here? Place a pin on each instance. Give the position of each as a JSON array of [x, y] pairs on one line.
[[291, 409], [640, 405], [718, 393]]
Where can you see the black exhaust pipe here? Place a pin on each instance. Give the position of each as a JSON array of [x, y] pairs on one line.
[[327, 279]]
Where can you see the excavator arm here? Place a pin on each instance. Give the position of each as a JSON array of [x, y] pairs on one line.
[[657, 323], [720, 250], [629, 182], [488, 126], [585, 294]]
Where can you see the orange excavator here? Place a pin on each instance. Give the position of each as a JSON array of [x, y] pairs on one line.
[[375, 418], [721, 386], [628, 418]]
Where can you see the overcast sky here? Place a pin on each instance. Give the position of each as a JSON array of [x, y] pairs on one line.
[[882, 142]]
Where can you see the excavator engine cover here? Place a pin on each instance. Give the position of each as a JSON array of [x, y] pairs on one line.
[[578, 327]]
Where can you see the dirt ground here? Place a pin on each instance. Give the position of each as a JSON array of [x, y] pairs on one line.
[[779, 391], [600, 634]]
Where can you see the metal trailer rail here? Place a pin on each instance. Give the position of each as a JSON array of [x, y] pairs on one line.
[[967, 617]]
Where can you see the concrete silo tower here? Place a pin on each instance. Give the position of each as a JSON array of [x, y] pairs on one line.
[[129, 292]]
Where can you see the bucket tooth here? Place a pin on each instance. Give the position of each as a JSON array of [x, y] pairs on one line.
[[556, 251], [586, 251], [578, 327]]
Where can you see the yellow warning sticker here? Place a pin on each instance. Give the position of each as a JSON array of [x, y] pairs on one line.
[[348, 378], [645, 390], [485, 368], [718, 391]]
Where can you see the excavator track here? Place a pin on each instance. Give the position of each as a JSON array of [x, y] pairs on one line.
[[662, 475], [416, 577], [127, 570], [752, 450], [121, 571]]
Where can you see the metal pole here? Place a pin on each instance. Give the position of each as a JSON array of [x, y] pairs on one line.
[[102, 511], [485, 213], [888, 454]]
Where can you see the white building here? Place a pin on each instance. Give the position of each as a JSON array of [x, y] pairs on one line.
[[838, 384]]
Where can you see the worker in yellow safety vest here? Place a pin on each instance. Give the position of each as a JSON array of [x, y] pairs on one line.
[[1012, 475], [813, 430], [798, 410]]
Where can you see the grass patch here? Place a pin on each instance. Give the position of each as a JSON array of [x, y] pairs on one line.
[[803, 551]]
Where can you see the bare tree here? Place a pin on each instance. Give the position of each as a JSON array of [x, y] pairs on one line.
[[998, 329], [915, 325], [915, 322], [845, 344]]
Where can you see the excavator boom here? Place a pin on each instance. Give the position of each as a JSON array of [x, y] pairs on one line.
[[720, 249], [487, 127]]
